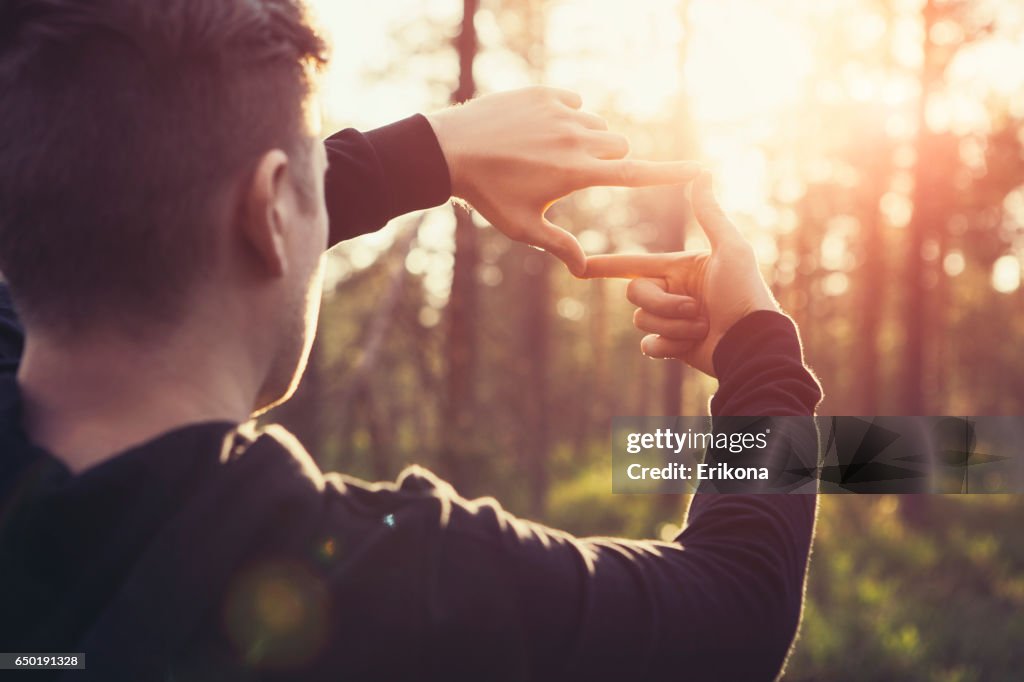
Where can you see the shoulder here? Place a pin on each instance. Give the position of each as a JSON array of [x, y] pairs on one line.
[[417, 520], [333, 508]]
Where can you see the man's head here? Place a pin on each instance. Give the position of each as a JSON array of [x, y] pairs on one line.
[[157, 162]]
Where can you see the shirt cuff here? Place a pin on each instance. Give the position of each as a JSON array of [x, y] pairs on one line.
[[413, 163], [751, 335]]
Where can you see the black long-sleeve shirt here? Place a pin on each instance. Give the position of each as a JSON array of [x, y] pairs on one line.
[[379, 175], [216, 552]]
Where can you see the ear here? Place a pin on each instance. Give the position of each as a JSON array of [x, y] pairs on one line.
[[263, 212]]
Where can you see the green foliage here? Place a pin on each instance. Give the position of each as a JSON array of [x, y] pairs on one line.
[[943, 600]]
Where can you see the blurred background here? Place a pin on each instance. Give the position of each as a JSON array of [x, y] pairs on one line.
[[873, 152]]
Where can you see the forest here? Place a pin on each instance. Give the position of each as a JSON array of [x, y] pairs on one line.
[[873, 153]]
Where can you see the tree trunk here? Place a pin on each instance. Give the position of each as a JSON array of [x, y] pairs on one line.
[[869, 308], [916, 302], [915, 510], [537, 334], [456, 421]]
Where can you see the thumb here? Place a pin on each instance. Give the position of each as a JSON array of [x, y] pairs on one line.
[[709, 213], [562, 245]]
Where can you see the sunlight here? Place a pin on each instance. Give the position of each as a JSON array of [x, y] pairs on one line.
[[619, 51], [761, 80], [1006, 274], [362, 87], [745, 61]]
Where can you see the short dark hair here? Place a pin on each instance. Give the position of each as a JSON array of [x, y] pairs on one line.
[[121, 121]]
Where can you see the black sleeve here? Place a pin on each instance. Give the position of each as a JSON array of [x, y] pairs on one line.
[[761, 371], [721, 602], [763, 541], [375, 176], [12, 336]]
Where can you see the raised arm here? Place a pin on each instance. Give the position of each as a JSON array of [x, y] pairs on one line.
[[724, 600], [721, 602], [468, 591], [510, 155]]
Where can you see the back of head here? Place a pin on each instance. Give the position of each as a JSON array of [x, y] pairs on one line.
[[122, 124]]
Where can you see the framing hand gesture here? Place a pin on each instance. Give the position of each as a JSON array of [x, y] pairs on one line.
[[674, 291], [513, 154]]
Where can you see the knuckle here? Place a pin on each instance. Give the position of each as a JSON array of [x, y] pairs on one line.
[[569, 136]]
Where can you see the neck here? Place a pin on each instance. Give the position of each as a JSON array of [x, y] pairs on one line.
[[87, 403]]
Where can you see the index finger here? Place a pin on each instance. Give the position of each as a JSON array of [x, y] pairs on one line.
[[630, 265], [636, 173]]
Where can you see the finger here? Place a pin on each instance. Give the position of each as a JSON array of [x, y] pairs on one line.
[[671, 328], [591, 121], [562, 245], [571, 99], [631, 265], [603, 145], [635, 173], [651, 295], [709, 213], [655, 346]]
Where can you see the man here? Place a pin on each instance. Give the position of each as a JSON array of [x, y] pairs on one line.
[[162, 226]]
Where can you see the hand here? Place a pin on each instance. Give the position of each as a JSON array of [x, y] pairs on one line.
[[725, 282], [675, 321], [513, 154]]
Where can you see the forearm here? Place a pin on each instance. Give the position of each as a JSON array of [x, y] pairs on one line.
[[763, 540], [709, 607], [379, 175]]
